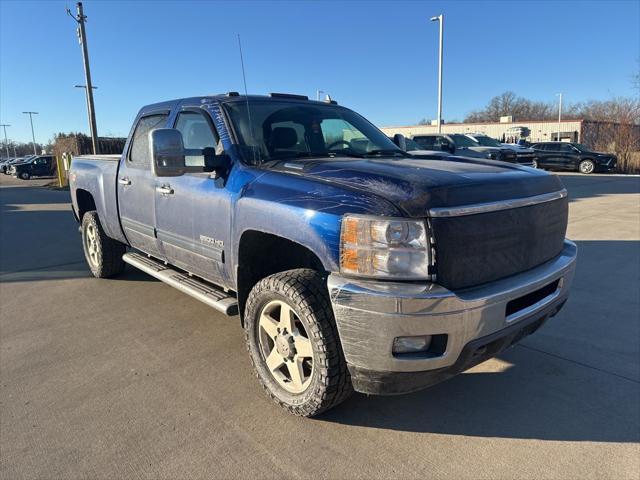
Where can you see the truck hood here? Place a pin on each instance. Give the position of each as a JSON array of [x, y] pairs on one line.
[[416, 185]]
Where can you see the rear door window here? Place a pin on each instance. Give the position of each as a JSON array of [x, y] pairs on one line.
[[139, 155]]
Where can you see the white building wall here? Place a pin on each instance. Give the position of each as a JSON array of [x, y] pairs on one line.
[[540, 131]]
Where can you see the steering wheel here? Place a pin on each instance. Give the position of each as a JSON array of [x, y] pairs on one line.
[[338, 142]]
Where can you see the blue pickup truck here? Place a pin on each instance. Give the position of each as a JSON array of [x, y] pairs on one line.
[[351, 264]]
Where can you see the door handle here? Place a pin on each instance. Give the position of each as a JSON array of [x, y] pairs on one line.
[[164, 189], [124, 181]]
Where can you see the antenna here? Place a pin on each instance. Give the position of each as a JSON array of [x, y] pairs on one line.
[[246, 96]]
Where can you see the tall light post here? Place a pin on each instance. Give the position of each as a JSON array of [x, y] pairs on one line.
[[440, 19], [80, 18], [559, 114], [318, 92], [6, 142], [33, 135]]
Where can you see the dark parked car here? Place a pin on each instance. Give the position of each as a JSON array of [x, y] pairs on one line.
[[572, 156], [40, 166]]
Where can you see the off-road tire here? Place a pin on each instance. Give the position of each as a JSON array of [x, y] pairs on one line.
[[25, 176], [587, 167], [305, 291], [109, 251]]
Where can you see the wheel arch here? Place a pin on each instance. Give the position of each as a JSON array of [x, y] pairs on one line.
[[261, 254], [85, 202]]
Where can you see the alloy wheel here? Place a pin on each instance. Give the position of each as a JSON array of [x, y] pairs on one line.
[[285, 346], [92, 245]]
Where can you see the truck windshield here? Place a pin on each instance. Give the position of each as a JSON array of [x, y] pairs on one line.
[[487, 141], [276, 130]]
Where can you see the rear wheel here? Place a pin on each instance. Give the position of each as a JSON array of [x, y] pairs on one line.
[[293, 343], [587, 166], [535, 164], [103, 254]]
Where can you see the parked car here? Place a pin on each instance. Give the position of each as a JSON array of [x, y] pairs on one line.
[[463, 145], [351, 265], [572, 156], [15, 161], [524, 155], [514, 153], [37, 166], [4, 163], [415, 150]]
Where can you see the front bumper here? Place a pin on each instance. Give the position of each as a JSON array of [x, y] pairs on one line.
[[474, 323]]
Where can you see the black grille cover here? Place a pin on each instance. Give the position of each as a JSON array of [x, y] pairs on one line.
[[475, 249]]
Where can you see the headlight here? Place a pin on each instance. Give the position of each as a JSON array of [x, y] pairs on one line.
[[384, 247]]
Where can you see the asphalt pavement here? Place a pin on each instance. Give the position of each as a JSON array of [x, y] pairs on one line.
[[129, 378]]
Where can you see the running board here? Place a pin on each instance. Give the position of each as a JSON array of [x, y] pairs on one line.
[[198, 289]]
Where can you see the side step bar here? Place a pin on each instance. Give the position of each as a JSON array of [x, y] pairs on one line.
[[198, 289]]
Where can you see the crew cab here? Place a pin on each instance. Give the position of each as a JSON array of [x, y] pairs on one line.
[[351, 265], [36, 166], [572, 156]]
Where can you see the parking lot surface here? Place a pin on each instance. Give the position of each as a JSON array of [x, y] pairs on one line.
[[129, 378]]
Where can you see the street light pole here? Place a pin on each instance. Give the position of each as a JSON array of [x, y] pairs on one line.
[[559, 114], [33, 135], [318, 92], [80, 18], [440, 19], [6, 142]]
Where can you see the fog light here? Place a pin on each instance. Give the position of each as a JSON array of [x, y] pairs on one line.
[[411, 344]]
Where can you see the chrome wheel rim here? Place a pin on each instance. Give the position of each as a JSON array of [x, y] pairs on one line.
[[586, 167], [535, 164], [285, 346], [91, 244]]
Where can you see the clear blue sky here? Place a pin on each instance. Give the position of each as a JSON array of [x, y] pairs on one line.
[[379, 57]]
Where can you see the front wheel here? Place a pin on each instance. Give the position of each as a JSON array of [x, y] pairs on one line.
[[534, 164], [293, 343], [587, 166], [103, 254], [25, 176]]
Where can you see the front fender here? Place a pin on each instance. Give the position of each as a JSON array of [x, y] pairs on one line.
[[303, 211]]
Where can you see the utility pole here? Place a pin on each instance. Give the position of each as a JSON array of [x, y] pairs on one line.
[[440, 19], [33, 135], [80, 18], [559, 114], [6, 143]]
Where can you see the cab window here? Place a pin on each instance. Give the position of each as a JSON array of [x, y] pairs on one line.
[[197, 134], [139, 155]]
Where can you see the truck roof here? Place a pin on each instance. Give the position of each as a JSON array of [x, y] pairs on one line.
[[228, 98]]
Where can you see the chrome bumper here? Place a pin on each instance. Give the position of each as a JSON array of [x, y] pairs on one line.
[[370, 314]]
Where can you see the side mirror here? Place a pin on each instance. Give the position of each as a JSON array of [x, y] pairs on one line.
[[167, 152], [400, 141], [218, 164]]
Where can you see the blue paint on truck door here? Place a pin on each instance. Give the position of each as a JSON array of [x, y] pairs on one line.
[[136, 188], [193, 210]]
